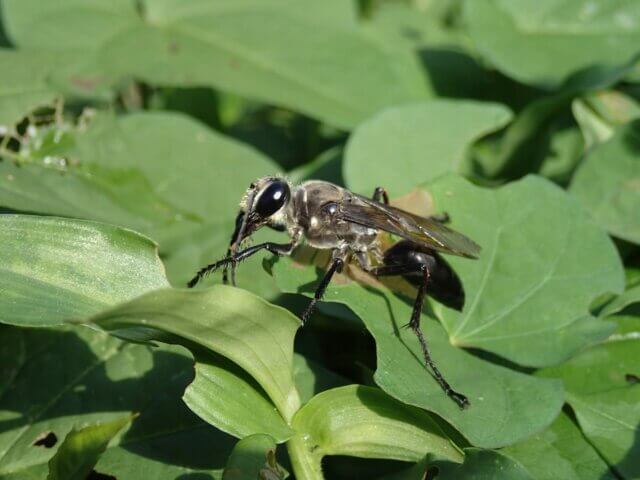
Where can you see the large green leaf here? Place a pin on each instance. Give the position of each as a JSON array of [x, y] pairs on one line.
[[81, 449], [263, 50], [234, 323], [502, 410], [53, 269], [72, 378], [545, 43], [23, 85], [372, 425], [409, 145], [543, 262], [253, 458], [561, 451], [608, 183], [603, 391]]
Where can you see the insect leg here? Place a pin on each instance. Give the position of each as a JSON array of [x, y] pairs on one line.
[[380, 194], [414, 323], [275, 248], [336, 266]]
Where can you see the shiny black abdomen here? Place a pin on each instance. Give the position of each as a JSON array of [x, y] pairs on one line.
[[444, 284]]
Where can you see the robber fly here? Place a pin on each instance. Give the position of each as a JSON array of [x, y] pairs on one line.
[[331, 217]]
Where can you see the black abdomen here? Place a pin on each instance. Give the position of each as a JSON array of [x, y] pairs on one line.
[[444, 284]]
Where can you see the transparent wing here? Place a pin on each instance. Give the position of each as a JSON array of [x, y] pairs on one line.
[[432, 234]]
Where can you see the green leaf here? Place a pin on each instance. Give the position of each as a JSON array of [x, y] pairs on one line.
[[236, 324], [409, 145], [561, 451], [627, 298], [53, 269], [23, 85], [70, 378], [123, 170], [265, 51], [608, 183], [603, 392], [482, 465], [542, 263], [546, 43], [81, 449], [372, 425], [222, 394], [499, 397], [253, 458]]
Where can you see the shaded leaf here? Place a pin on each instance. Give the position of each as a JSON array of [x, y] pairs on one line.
[[253, 458], [412, 144], [608, 183], [606, 399], [561, 451], [81, 449], [627, 298], [72, 378], [502, 409], [547, 43], [54, 269], [482, 465], [23, 85], [224, 395], [542, 263], [236, 324]]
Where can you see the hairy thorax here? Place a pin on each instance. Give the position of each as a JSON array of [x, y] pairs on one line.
[[316, 204]]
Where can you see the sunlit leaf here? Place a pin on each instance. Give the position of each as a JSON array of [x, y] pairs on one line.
[[372, 425], [412, 144], [543, 262], [53, 269], [330, 70]]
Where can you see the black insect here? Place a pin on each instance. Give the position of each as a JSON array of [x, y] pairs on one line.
[[331, 217]]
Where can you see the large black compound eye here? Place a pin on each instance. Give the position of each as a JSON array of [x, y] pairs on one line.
[[272, 198]]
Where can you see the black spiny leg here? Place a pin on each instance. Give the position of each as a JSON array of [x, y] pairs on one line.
[[414, 323], [275, 248], [336, 266]]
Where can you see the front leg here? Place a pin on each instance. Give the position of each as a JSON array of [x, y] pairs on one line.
[[336, 266], [275, 248]]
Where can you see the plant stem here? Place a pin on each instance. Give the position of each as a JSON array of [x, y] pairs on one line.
[[305, 462]]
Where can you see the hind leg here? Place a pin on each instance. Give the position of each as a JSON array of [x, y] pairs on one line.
[[413, 267]]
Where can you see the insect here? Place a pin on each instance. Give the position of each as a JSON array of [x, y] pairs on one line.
[[327, 216]]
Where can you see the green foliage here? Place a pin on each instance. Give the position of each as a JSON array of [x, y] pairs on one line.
[[129, 131], [81, 449]]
